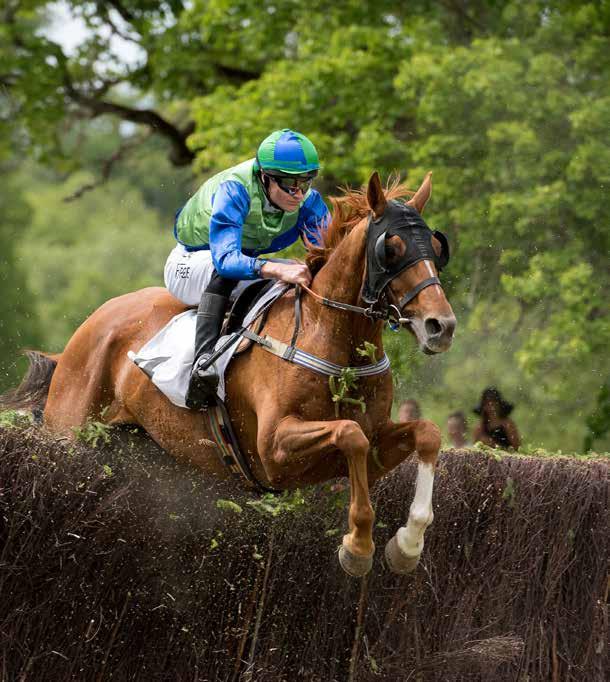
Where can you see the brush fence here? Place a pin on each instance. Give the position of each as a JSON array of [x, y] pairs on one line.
[[118, 564]]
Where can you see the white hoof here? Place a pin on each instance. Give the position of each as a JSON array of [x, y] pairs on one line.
[[398, 561], [354, 564]]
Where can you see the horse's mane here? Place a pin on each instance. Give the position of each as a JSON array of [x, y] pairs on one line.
[[348, 210]]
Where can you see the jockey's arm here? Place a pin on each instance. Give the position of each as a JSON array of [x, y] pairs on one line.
[[313, 217], [230, 206]]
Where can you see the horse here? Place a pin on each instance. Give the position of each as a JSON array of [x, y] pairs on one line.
[[290, 427]]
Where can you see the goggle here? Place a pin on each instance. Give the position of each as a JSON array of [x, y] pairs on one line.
[[292, 184]]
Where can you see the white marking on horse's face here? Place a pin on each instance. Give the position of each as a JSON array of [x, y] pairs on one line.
[[429, 316]]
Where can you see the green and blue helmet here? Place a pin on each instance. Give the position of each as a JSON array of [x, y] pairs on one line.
[[286, 152]]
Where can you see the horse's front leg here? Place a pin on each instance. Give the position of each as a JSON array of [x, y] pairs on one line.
[[296, 445], [394, 444]]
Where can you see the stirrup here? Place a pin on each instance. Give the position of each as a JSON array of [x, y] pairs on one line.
[[204, 367], [201, 392]]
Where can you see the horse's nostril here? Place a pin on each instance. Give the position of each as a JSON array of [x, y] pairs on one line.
[[433, 326]]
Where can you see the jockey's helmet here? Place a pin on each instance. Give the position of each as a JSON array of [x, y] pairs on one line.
[[286, 152]]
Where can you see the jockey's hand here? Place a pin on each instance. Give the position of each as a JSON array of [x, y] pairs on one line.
[[293, 273]]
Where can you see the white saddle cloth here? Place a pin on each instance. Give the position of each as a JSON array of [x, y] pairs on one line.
[[168, 357]]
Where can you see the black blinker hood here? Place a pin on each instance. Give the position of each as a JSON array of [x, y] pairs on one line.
[[406, 222]]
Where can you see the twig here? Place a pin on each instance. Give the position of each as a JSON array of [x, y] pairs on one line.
[[180, 154], [100, 677], [259, 615], [362, 605], [107, 166], [248, 620]]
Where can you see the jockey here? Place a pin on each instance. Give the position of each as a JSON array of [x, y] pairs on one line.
[[259, 206]]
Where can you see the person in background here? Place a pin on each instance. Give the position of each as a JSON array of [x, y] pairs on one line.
[[457, 429], [409, 410], [495, 428]]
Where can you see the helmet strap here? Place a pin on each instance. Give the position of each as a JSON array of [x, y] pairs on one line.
[[265, 185]]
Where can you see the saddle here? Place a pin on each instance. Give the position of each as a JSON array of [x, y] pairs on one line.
[[167, 357], [246, 300]]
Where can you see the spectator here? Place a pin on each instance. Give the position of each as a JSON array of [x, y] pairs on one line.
[[457, 429], [409, 410], [495, 428]]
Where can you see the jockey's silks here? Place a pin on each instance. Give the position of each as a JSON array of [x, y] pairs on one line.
[[260, 227]]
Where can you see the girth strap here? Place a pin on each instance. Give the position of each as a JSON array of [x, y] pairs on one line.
[[227, 446], [313, 362]]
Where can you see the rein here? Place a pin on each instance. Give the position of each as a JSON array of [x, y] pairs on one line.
[[391, 314], [367, 312]]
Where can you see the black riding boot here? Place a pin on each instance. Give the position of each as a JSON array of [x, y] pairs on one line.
[[203, 383]]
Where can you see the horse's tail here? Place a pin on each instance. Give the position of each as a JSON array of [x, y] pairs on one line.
[[31, 394]]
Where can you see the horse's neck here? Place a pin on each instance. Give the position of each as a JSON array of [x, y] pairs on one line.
[[341, 276], [340, 279]]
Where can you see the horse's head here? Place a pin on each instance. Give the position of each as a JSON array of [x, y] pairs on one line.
[[404, 258]]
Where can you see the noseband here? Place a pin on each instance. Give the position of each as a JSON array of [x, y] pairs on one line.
[[406, 222]]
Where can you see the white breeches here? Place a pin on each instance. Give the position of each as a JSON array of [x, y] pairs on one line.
[[188, 273]]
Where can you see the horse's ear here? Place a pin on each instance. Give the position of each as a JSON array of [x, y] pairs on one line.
[[420, 198], [375, 195]]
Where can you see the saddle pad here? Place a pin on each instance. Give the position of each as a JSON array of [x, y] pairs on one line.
[[168, 357]]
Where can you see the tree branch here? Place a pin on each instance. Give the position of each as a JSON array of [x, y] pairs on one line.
[[93, 102], [236, 74], [125, 147], [125, 14], [108, 83], [117, 31], [180, 154], [455, 7]]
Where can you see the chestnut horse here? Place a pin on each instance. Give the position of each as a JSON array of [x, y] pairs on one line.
[[283, 415]]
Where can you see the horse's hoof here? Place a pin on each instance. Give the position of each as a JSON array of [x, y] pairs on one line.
[[398, 561], [353, 564]]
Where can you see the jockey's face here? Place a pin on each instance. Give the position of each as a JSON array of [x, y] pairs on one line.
[[287, 202]]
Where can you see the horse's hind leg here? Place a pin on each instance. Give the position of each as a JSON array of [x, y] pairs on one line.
[[79, 391], [297, 443], [396, 442], [182, 433]]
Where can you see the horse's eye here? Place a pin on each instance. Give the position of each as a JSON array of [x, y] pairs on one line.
[[394, 249]]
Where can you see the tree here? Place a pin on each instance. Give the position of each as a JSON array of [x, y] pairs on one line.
[[508, 103], [18, 327], [86, 252], [51, 90]]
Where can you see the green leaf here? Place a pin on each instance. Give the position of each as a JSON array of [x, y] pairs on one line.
[[229, 505]]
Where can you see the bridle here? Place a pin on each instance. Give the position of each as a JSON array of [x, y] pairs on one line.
[[390, 313], [405, 221]]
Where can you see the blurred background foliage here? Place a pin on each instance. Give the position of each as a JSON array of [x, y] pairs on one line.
[[508, 103]]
